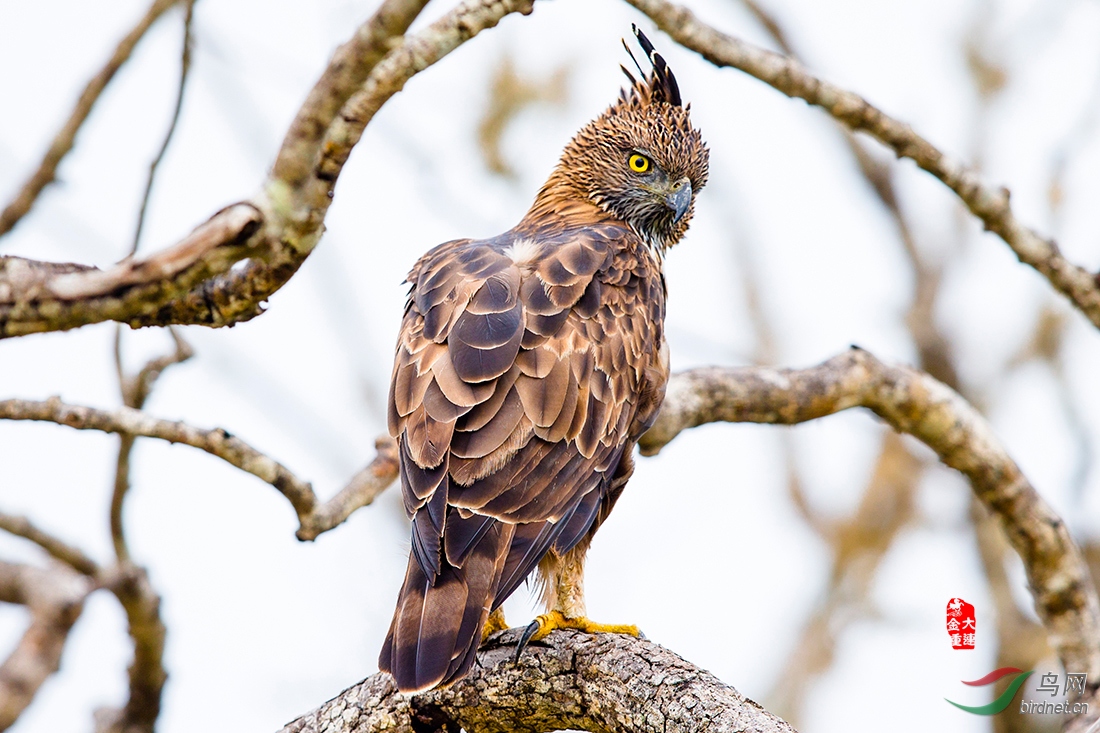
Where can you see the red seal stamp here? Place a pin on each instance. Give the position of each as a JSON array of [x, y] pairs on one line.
[[962, 627]]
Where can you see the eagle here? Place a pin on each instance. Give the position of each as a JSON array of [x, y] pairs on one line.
[[527, 366]]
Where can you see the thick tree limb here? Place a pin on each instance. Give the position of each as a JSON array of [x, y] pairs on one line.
[[63, 141], [40, 296], [314, 516], [416, 54], [912, 402], [269, 237], [55, 598], [604, 683], [990, 205], [350, 66]]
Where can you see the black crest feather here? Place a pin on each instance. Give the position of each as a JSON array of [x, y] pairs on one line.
[[658, 86]]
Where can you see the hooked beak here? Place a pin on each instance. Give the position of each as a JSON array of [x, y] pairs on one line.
[[679, 199]]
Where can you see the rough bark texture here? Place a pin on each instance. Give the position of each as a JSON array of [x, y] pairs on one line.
[[41, 296], [603, 682]]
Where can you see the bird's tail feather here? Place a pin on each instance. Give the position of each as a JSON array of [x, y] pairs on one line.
[[437, 626]]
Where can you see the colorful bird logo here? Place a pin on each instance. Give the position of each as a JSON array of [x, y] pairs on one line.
[[1005, 699]]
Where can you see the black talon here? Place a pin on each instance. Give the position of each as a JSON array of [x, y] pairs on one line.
[[525, 637]]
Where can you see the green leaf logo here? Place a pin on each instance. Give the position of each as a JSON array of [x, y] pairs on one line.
[[1005, 698]]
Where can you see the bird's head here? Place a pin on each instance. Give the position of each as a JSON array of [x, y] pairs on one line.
[[641, 160]]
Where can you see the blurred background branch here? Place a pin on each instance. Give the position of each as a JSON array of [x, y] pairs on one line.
[[913, 403], [193, 283], [1081, 287], [55, 598], [66, 136]]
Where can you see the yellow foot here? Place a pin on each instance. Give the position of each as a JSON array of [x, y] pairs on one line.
[[494, 624], [541, 627]]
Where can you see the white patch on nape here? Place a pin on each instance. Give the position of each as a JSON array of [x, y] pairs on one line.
[[523, 252]]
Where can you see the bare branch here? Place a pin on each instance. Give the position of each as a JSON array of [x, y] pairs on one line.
[[63, 141], [135, 390], [55, 598], [192, 283], [349, 68], [56, 548], [990, 205], [361, 491], [126, 420], [185, 70], [141, 603], [314, 517], [859, 544], [593, 682], [911, 402], [417, 53], [40, 296], [1021, 642]]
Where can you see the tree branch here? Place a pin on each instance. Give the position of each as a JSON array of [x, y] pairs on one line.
[[135, 390], [128, 421], [270, 236], [593, 682], [185, 71], [55, 598], [42, 296], [363, 488], [141, 604], [911, 402], [130, 584], [63, 141], [989, 205], [72, 556], [314, 517]]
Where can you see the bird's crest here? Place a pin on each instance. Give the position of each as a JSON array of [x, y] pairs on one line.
[[657, 86]]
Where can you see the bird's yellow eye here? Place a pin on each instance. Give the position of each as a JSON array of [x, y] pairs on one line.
[[639, 163]]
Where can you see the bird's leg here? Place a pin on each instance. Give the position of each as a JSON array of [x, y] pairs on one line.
[[493, 624], [564, 597]]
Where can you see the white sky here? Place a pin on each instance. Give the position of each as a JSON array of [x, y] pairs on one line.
[[705, 551]]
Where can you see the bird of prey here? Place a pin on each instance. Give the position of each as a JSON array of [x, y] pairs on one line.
[[527, 366]]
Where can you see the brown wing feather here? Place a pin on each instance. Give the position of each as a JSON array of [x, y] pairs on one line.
[[517, 385]]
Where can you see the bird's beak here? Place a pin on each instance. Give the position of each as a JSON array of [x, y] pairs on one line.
[[679, 199]]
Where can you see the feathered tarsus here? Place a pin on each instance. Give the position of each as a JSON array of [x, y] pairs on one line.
[[527, 367]]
